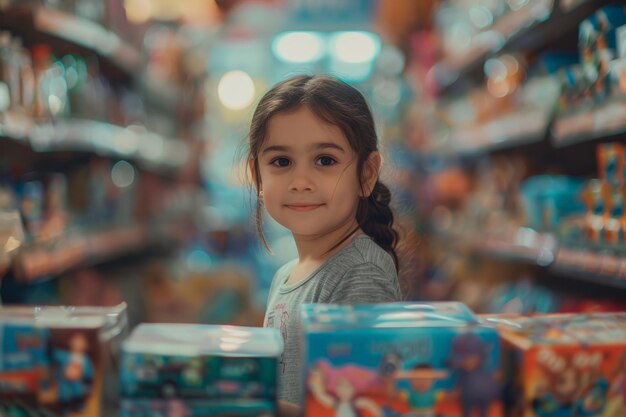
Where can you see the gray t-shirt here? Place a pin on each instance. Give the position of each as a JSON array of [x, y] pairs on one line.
[[361, 273]]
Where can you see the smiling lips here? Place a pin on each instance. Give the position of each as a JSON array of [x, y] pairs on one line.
[[303, 206]]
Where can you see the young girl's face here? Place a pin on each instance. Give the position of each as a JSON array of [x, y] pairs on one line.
[[308, 176]]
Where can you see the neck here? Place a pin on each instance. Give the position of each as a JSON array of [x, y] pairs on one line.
[[321, 247]]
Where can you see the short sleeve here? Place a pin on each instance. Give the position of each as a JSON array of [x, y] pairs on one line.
[[366, 284]]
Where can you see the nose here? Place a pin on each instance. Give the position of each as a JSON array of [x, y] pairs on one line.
[[301, 181]]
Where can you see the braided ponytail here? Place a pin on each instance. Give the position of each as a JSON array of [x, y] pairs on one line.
[[376, 218]]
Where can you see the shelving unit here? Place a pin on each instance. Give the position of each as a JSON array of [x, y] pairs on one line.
[[528, 28], [545, 140], [530, 247], [521, 245], [588, 124], [76, 138], [72, 34], [497, 135], [80, 248], [68, 33], [150, 150]]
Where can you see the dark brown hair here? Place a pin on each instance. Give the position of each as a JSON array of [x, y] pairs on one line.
[[342, 105]]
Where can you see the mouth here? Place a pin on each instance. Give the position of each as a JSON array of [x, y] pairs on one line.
[[303, 207]]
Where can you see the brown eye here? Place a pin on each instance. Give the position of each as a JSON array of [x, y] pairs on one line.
[[280, 162], [325, 161]]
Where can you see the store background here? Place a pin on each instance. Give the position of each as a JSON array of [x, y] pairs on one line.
[[121, 125]]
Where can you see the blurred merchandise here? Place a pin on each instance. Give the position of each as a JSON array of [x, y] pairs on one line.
[[550, 199], [11, 237], [220, 295], [523, 296]]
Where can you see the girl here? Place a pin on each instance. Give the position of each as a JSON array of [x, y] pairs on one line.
[[314, 161]]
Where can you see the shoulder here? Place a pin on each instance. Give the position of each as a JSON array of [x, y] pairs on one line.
[[362, 252], [363, 273]]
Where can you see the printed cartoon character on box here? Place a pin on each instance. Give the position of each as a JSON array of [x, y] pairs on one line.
[[73, 373], [422, 396], [344, 389], [570, 384], [478, 387], [419, 396]]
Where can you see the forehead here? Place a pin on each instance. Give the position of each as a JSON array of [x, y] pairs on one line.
[[302, 126]]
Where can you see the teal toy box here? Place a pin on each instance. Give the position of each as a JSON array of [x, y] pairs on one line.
[[199, 370]]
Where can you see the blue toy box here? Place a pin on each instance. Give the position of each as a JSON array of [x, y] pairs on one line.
[[200, 370], [53, 359], [400, 359]]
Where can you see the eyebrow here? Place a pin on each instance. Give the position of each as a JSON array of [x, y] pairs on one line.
[[317, 146]]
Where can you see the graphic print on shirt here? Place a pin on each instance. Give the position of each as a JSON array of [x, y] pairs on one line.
[[284, 317], [271, 321]]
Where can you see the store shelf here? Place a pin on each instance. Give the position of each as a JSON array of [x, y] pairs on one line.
[[590, 123], [38, 22], [600, 268], [507, 132], [40, 260], [150, 150], [88, 248], [68, 33], [529, 28], [525, 245], [521, 245]]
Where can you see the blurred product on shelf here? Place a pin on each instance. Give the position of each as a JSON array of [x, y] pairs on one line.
[[400, 359], [523, 296], [470, 30], [563, 365], [11, 234], [514, 107], [219, 295], [549, 199], [591, 100], [53, 359], [200, 370]]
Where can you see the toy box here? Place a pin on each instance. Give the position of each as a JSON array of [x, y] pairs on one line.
[[564, 365], [200, 370], [52, 359], [400, 359]]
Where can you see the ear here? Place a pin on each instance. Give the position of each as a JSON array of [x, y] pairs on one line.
[[254, 175], [371, 169]]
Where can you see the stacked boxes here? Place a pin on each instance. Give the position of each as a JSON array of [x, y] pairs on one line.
[[200, 370], [400, 359], [564, 365], [600, 72], [52, 360]]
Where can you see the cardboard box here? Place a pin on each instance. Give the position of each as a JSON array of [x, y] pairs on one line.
[[200, 370], [564, 365], [400, 359], [52, 359]]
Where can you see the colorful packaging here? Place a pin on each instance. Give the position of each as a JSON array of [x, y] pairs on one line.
[[564, 365], [52, 359], [399, 359], [200, 370]]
